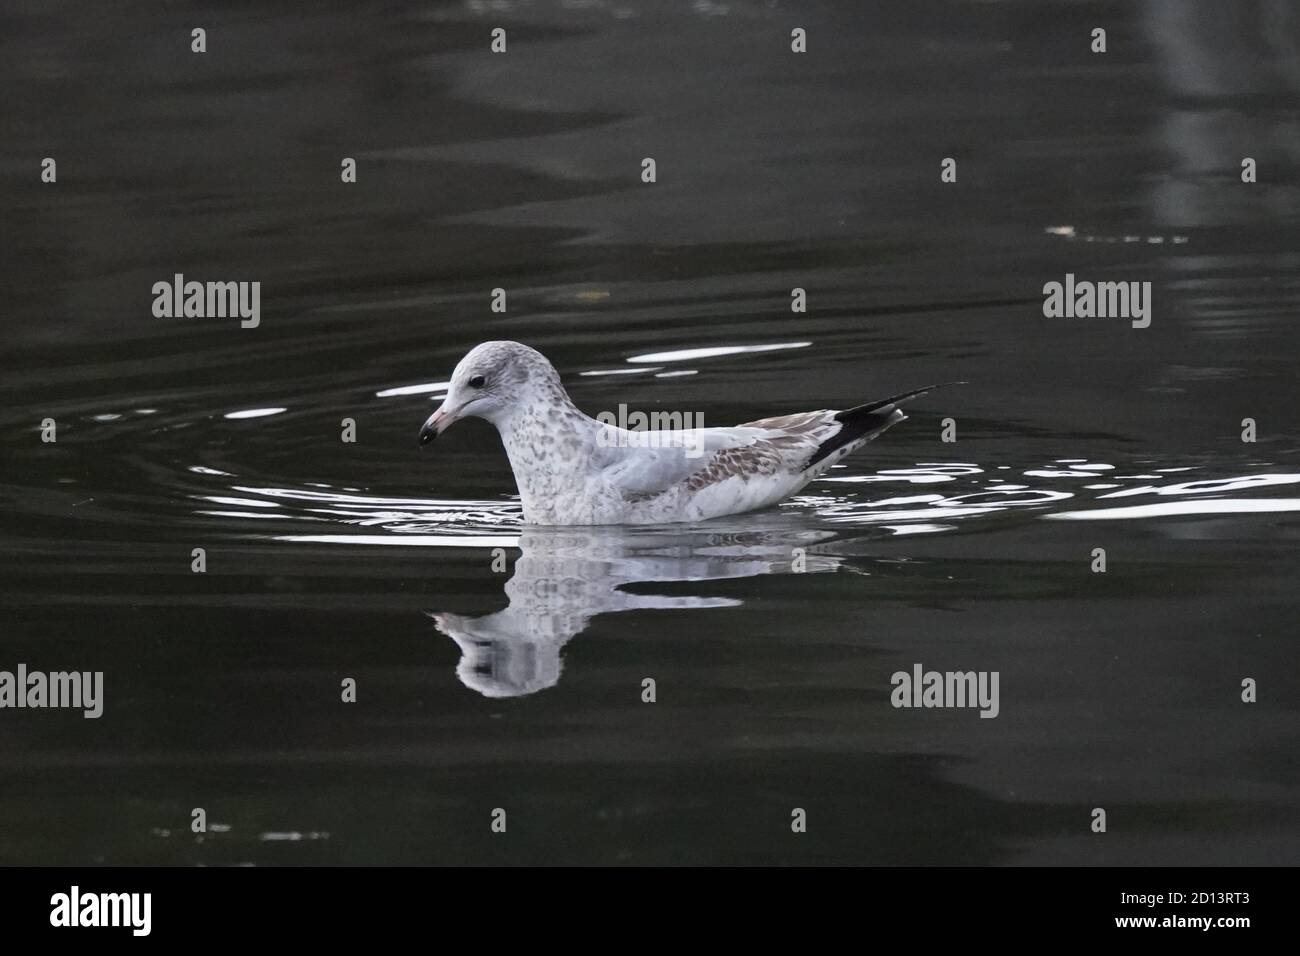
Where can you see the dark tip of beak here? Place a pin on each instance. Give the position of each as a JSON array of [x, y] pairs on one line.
[[427, 435]]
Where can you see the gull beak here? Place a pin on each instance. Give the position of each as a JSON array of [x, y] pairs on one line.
[[437, 423]]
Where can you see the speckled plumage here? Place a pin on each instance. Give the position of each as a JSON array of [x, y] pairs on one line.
[[574, 470]]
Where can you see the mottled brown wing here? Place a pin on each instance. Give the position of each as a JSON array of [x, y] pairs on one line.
[[800, 423], [750, 450], [748, 461]]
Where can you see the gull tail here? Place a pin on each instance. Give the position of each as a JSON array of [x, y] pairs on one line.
[[864, 422]]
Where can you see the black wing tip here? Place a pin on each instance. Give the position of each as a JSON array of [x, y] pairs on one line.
[[893, 400], [868, 420]]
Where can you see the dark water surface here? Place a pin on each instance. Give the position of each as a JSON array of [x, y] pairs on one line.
[[520, 688]]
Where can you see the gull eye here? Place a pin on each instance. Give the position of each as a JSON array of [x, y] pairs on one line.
[[477, 381]]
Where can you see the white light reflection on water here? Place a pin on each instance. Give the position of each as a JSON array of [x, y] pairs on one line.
[[686, 355], [408, 540], [254, 413], [1209, 486], [422, 389], [835, 500], [1213, 506]]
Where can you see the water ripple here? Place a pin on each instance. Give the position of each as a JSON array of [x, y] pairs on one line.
[[862, 500]]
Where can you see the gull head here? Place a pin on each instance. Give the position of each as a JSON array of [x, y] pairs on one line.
[[491, 382]]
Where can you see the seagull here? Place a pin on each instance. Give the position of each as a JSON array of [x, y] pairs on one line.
[[572, 469]]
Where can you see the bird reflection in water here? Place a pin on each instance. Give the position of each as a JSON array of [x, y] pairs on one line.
[[562, 579]]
